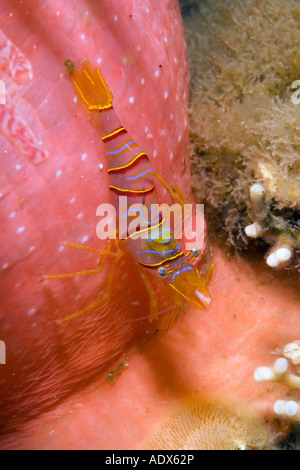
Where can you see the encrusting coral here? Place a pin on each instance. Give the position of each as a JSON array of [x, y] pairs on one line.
[[209, 423], [279, 373], [245, 63]]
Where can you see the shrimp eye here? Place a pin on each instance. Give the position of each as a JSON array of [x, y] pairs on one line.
[[195, 252], [162, 271]]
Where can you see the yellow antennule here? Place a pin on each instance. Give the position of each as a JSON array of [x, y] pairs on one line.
[[209, 274], [91, 87]]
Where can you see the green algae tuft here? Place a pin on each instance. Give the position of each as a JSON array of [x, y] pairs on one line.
[[245, 116]]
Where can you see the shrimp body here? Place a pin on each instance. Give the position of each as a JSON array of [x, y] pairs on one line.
[[152, 244]]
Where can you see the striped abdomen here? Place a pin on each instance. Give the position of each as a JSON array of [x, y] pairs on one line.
[[129, 168]]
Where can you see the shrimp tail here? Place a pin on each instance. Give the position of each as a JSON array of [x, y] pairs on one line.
[[91, 88]]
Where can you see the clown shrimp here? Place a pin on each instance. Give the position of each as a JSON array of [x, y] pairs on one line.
[[157, 254]]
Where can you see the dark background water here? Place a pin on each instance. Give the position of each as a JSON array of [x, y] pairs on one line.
[[189, 7]]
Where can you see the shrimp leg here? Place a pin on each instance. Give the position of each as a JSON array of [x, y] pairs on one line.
[[104, 298], [170, 313], [175, 193], [116, 253], [151, 295], [102, 253]]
